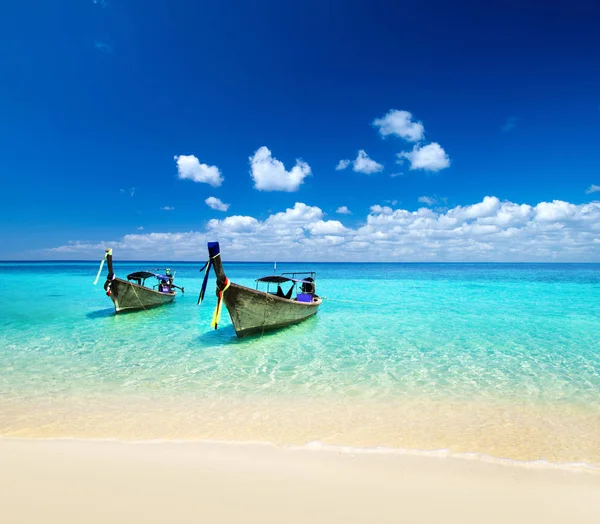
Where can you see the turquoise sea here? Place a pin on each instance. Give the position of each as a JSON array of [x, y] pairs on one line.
[[498, 360]]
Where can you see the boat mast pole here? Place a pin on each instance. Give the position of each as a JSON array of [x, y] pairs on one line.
[[109, 262], [214, 252]]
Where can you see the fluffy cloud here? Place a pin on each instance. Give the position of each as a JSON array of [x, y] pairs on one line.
[[490, 230], [364, 164], [593, 189], [325, 228], [343, 210], [269, 174], [428, 201], [298, 215], [400, 123], [431, 157], [487, 207], [167, 208], [233, 225], [190, 168], [381, 210], [216, 203], [342, 164]]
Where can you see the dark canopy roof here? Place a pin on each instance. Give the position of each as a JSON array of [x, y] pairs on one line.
[[146, 274], [278, 279], [274, 279]]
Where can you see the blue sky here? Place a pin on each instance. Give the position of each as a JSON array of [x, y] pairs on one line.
[[496, 99]]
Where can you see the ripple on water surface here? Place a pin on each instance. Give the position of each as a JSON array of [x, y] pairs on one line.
[[498, 359]]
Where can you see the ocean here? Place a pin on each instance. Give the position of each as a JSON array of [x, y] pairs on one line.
[[498, 361]]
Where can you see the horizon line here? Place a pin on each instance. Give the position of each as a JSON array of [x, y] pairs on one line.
[[301, 262]]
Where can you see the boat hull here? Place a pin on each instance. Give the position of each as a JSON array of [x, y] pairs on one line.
[[128, 296], [254, 311]]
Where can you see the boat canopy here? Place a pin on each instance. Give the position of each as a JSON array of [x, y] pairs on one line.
[[274, 279], [143, 275], [278, 279]]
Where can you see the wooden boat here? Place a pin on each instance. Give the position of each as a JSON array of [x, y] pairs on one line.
[[133, 294], [255, 311]]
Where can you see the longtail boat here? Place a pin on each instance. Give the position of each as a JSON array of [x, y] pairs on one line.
[[255, 311], [133, 294]]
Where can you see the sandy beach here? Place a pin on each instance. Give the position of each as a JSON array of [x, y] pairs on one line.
[[74, 481]]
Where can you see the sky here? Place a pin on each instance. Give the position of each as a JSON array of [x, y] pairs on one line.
[[330, 130]]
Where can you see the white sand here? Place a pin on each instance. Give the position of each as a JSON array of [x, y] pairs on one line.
[[62, 481]]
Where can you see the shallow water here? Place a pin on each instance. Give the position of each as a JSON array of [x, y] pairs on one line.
[[498, 359]]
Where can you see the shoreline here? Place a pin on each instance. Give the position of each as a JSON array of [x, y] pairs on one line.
[[561, 437], [65, 480], [320, 447]]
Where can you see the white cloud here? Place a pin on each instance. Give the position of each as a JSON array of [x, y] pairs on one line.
[[233, 224], [300, 214], [431, 157], [487, 207], [394, 175], [269, 174], [141, 228], [343, 210], [364, 164], [216, 203], [429, 201], [400, 123], [381, 210], [190, 168], [342, 164], [593, 189], [556, 211], [327, 227], [490, 230], [167, 208]]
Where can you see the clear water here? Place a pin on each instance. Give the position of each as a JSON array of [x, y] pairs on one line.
[[502, 360]]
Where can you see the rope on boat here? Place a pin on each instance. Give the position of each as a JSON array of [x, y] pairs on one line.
[[217, 313], [138, 297], [220, 292]]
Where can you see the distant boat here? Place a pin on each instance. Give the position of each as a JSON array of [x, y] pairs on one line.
[[255, 311], [133, 294]]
